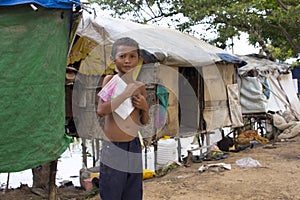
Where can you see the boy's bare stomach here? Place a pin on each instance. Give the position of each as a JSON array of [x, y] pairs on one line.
[[119, 130]]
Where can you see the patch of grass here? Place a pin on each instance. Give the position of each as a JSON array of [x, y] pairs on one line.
[[92, 193]]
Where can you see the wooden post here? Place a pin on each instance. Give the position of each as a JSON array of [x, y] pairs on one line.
[[7, 182], [93, 152], [52, 185], [41, 176], [84, 156]]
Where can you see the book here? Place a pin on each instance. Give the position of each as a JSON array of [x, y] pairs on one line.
[[113, 89]]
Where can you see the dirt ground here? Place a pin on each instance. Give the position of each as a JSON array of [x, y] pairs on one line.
[[278, 178]]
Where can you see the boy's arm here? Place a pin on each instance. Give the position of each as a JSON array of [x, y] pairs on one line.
[[139, 101], [105, 108]]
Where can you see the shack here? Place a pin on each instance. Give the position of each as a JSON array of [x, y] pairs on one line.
[[266, 88], [199, 79]]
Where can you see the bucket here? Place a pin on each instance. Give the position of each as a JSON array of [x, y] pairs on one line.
[[166, 152], [148, 158], [88, 184]]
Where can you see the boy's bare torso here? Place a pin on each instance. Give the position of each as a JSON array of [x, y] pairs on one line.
[[117, 129]]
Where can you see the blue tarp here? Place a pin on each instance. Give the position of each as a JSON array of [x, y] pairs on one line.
[[64, 4], [231, 59], [296, 75]]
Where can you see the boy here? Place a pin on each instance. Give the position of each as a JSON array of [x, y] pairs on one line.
[[121, 162]]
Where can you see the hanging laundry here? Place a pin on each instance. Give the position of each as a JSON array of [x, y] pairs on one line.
[[163, 98]]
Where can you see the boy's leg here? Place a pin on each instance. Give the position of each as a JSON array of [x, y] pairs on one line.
[[111, 183], [112, 178], [134, 186]]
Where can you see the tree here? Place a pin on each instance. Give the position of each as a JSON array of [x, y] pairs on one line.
[[272, 24]]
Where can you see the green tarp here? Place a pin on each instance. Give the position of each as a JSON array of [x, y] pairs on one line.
[[33, 54]]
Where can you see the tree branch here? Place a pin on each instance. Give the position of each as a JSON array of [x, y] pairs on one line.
[[150, 8], [287, 36], [260, 41], [263, 45], [281, 4]]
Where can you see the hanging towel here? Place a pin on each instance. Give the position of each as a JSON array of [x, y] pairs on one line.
[[161, 115]]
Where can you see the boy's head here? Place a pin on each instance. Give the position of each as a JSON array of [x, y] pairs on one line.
[[125, 41]]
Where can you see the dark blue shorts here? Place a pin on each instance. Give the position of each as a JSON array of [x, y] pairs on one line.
[[121, 176]]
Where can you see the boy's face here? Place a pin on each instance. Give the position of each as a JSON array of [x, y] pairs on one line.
[[126, 58]]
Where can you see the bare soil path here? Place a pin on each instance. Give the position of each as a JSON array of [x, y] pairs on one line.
[[277, 179]]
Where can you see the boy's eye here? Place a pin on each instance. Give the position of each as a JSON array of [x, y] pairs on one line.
[[122, 56]]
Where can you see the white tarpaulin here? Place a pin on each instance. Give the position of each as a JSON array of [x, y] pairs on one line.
[[234, 105], [288, 86], [278, 100], [253, 99], [172, 49], [272, 88], [169, 46]]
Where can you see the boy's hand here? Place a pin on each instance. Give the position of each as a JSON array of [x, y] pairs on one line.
[[139, 101]]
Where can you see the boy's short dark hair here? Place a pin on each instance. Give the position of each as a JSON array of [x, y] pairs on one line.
[[125, 41]]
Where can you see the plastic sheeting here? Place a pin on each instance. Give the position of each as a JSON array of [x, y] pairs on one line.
[[275, 79], [287, 84], [278, 100], [260, 64], [32, 65], [234, 105], [252, 98], [66, 4], [229, 58], [169, 46], [88, 123], [216, 110], [296, 75]]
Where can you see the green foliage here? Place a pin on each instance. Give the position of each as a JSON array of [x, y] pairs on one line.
[[279, 53], [92, 193], [269, 23], [266, 22], [166, 169]]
